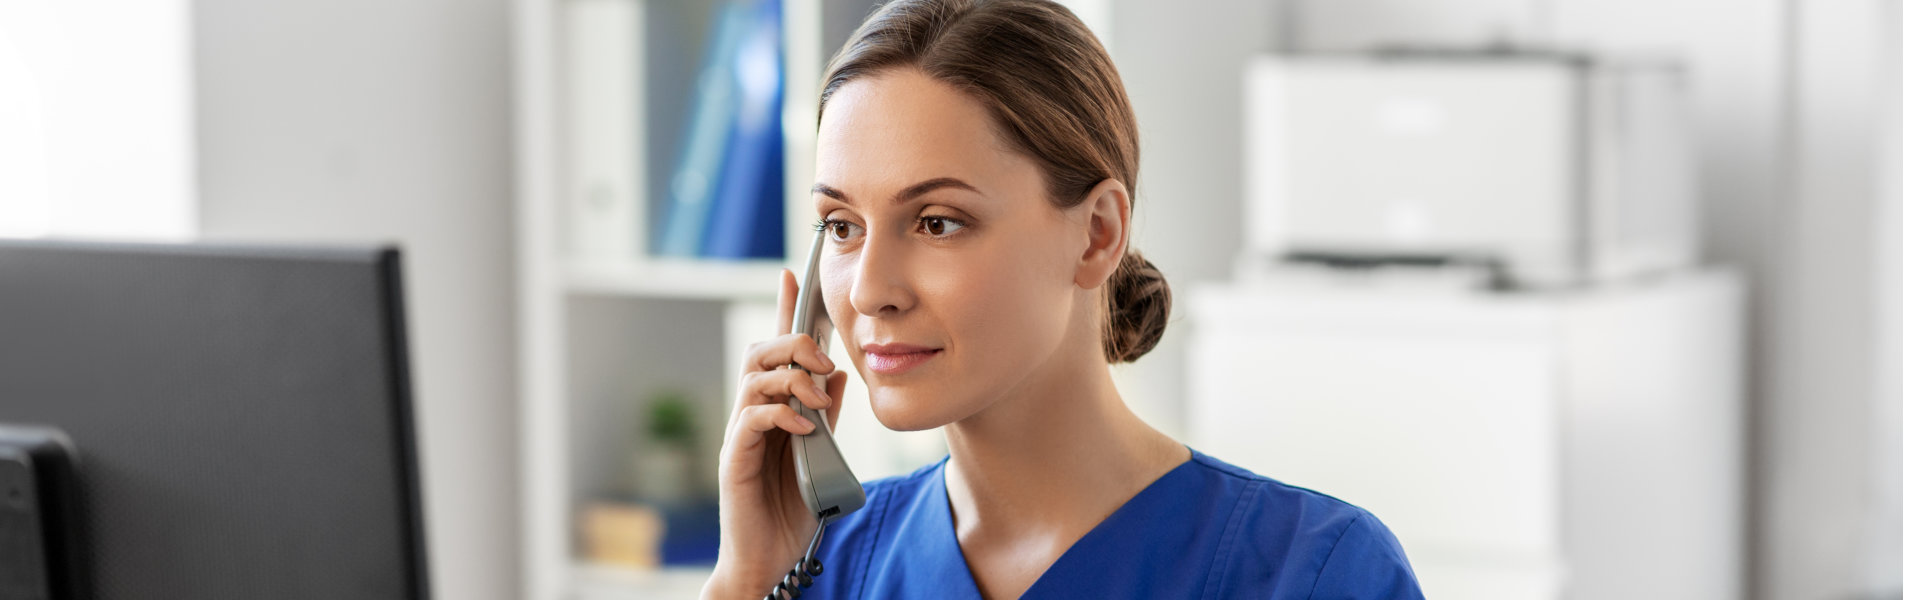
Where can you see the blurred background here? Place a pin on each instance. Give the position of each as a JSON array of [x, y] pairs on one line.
[[1584, 299]]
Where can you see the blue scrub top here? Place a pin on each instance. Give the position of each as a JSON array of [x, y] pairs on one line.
[[1206, 529]]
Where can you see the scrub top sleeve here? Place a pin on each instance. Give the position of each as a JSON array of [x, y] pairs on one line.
[[1366, 564]]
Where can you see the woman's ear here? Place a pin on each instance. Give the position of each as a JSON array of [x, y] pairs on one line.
[[1106, 213]]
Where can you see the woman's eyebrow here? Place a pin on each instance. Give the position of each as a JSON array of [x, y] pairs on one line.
[[911, 192]]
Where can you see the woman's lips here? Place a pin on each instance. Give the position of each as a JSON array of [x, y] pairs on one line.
[[891, 359]]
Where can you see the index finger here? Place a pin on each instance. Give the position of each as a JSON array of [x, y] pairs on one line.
[[789, 292]]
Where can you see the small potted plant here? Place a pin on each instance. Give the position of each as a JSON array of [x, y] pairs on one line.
[[665, 454]]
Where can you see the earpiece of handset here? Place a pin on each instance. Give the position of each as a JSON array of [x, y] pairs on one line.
[[826, 484]]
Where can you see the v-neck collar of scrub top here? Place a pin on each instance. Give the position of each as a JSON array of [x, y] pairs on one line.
[[936, 545], [1206, 529]]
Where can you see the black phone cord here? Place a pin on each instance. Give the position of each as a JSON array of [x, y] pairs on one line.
[[803, 572]]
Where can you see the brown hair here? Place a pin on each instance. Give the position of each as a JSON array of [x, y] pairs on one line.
[[1056, 97]]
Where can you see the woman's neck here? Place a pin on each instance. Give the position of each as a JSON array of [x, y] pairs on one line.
[[1059, 456]]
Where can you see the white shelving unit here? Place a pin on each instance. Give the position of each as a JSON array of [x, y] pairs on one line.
[[600, 327]]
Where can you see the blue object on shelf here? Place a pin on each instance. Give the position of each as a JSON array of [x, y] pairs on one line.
[[748, 210], [693, 533], [712, 116]]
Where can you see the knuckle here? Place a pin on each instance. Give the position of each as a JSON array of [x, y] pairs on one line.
[[786, 345], [799, 377], [769, 414], [749, 417], [800, 382], [760, 386], [800, 342], [751, 361]]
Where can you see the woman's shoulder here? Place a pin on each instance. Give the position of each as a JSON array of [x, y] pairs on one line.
[[1331, 546], [1267, 494]]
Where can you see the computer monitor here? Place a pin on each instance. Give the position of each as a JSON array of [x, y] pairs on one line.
[[241, 415]]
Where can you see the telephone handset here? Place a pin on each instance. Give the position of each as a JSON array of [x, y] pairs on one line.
[[826, 484]]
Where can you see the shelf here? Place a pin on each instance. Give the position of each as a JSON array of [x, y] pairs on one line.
[[680, 279], [603, 92], [592, 582]]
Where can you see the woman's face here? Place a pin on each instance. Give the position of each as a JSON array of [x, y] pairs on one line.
[[948, 273]]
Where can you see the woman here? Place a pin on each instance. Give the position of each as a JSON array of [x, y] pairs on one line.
[[976, 169]]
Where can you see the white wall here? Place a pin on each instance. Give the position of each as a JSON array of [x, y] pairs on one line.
[[368, 120], [1824, 509], [1181, 63], [96, 135]]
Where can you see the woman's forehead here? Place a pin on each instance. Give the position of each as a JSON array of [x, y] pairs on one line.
[[899, 127]]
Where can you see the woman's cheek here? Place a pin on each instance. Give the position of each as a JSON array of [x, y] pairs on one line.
[[836, 282], [995, 305]]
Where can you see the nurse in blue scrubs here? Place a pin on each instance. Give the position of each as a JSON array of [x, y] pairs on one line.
[[975, 176]]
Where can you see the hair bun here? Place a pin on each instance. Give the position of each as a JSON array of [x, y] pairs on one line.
[[1138, 303]]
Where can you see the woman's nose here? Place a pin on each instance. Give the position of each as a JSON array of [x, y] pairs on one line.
[[880, 282]]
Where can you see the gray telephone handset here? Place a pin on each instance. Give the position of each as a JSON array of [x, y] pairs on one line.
[[826, 484], [829, 487]]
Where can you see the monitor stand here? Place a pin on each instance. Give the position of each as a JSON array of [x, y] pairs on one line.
[[39, 541]]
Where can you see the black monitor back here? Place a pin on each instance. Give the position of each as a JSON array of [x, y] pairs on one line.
[[242, 415]]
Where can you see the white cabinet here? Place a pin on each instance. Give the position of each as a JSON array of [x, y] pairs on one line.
[[1581, 444]]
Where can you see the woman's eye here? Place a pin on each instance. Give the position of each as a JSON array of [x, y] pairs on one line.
[[841, 230], [940, 226]]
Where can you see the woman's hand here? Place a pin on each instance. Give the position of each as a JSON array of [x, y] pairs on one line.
[[764, 524]]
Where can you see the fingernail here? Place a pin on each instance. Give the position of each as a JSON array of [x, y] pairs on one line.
[[824, 360], [822, 393], [802, 423]]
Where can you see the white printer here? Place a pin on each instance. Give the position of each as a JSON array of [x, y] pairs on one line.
[[1544, 169]]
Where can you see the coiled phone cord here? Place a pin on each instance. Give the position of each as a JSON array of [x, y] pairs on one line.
[[804, 571]]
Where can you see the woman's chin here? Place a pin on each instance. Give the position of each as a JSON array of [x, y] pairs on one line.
[[901, 410]]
